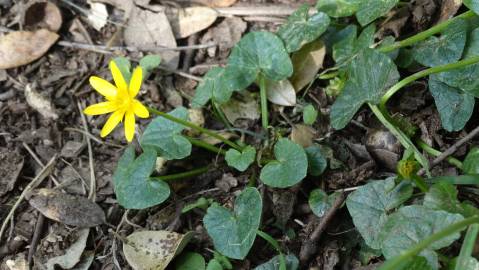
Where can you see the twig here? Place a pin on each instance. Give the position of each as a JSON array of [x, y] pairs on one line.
[[452, 149], [254, 10], [111, 49], [93, 137], [35, 157], [35, 182], [309, 247], [36, 236], [92, 193]]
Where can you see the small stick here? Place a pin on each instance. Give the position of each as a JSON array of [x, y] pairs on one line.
[[35, 157], [309, 247], [452, 149], [92, 193], [110, 49], [35, 182]]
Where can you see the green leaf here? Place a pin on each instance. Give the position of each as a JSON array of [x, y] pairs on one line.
[[370, 10], [133, 187], [149, 63], [339, 8], [317, 162], [233, 234], [472, 5], [371, 73], [214, 265], [124, 66], [309, 114], [443, 196], [471, 162], [344, 44], [455, 106], [447, 48], [201, 202], [320, 202], [165, 136], [369, 205], [240, 161], [292, 263], [189, 261], [411, 224], [257, 52], [415, 263], [212, 87], [289, 168], [301, 28]]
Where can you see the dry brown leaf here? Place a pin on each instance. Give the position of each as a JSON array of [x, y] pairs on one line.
[[148, 30], [67, 209], [72, 254], [153, 249], [281, 92], [190, 20], [211, 140], [217, 3], [306, 64], [40, 103], [43, 15], [303, 135], [246, 108], [22, 47], [448, 9], [11, 164]]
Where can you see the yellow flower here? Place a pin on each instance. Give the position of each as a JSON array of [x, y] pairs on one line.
[[120, 101]]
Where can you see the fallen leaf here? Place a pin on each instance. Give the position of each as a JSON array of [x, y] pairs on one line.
[[246, 108], [125, 5], [22, 47], [214, 141], [67, 209], [281, 92], [153, 249], [19, 263], [72, 254], [148, 30], [40, 103], [43, 15], [97, 15], [306, 64], [217, 3], [11, 164], [303, 135], [190, 20], [448, 9]]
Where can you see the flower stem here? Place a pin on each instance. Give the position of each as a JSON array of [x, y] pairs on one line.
[[195, 127], [182, 175], [437, 153], [206, 146], [425, 34], [404, 258], [424, 73], [264, 102]]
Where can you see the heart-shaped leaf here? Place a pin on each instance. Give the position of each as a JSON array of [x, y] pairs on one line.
[[257, 52], [213, 87], [240, 161], [145, 250], [317, 162], [149, 63], [445, 49], [370, 10], [455, 106], [369, 205], [233, 233], [309, 114], [164, 136], [133, 187], [190, 261], [289, 168], [370, 75], [471, 162], [301, 28], [346, 43], [411, 224], [339, 8], [443, 196], [292, 263]]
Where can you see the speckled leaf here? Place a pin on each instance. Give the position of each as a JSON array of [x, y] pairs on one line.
[[369, 205], [233, 233], [370, 75], [301, 28], [348, 45], [411, 224], [146, 250], [445, 49], [320, 202], [257, 52], [289, 168], [292, 263], [317, 162], [443, 196], [240, 160], [370, 10], [472, 5], [339, 8], [165, 137], [471, 162], [133, 187], [213, 87], [455, 106]]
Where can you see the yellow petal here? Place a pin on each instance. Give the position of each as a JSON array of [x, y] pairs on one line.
[[112, 122], [135, 82], [99, 108], [117, 76], [140, 110], [103, 87], [129, 125]]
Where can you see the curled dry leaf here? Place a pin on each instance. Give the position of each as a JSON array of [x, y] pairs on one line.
[[40, 103], [190, 20], [303, 135], [43, 15], [281, 92], [67, 209], [153, 249], [306, 64], [245, 108], [72, 254], [22, 47]]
